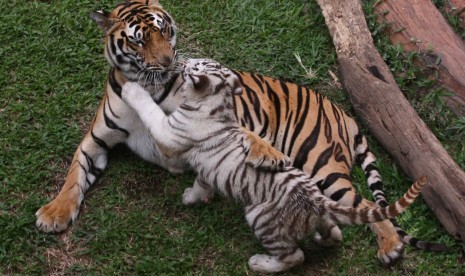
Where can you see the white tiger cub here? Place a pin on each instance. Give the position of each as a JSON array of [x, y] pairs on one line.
[[281, 207]]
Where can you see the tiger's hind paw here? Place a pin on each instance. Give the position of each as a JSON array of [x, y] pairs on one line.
[[262, 155], [390, 251]]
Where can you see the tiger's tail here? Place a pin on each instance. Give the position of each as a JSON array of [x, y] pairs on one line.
[[366, 159], [348, 215]]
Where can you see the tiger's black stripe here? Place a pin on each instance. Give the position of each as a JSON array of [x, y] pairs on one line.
[[114, 84], [111, 124], [99, 141], [309, 142]]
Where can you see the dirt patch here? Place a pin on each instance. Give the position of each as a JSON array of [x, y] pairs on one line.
[[137, 186], [206, 260], [60, 259]]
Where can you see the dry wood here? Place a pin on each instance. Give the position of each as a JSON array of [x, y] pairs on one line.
[[418, 26], [389, 116]]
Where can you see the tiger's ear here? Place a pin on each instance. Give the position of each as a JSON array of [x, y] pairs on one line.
[[153, 3], [149, 2], [102, 20], [199, 82]]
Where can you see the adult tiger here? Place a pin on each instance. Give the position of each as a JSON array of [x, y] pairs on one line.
[[140, 46]]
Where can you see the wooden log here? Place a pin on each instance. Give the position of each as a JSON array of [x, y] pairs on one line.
[[418, 26], [381, 105]]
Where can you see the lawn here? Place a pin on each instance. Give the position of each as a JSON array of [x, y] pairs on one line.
[[53, 75]]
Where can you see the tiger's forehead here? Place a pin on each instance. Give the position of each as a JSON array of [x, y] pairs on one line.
[[134, 13], [144, 22], [157, 20], [150, 19]]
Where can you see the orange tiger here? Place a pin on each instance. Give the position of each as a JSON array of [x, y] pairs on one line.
[[320, 139]]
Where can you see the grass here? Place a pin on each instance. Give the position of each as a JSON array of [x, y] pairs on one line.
[[52, 76]]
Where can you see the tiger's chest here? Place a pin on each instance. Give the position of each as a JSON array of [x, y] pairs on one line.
[[139, 139]]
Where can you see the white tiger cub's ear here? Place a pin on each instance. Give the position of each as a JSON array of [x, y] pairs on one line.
[[199, 82], [102, 20], [237, 88]]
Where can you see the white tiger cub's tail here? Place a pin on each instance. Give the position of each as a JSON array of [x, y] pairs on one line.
[[348, 215]]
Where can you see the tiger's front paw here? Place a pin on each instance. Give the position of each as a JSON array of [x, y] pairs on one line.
[[56, 215], [262, 155]]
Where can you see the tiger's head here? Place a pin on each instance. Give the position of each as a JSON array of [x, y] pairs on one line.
[[205, 78], [140, 39]]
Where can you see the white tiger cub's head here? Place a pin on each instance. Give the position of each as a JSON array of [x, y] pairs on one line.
[[206, 77]]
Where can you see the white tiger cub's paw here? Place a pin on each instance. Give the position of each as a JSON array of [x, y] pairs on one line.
[[334, 238], [192, 196], [266, 263], [132, 93]]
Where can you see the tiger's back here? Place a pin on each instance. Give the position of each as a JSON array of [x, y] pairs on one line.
[[324, 147]]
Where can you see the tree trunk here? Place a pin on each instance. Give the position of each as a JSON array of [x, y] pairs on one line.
[[381, 105], [418, 26], [456, 8]]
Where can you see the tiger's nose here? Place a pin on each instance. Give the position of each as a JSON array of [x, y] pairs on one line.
[[166, 61]]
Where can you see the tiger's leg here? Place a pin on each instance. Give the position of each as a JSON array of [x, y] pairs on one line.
[[199, 192], [367, 161], [262, 154], [88, 163], [339, 188], [389, 242], [283, 248]]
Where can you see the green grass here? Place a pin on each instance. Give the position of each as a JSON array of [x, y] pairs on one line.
[[52, 76]]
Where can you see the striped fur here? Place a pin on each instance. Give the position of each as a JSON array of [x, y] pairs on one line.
[[281, 207], [140, 41]]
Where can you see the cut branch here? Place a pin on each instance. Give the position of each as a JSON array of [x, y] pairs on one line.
[[381, 105]]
